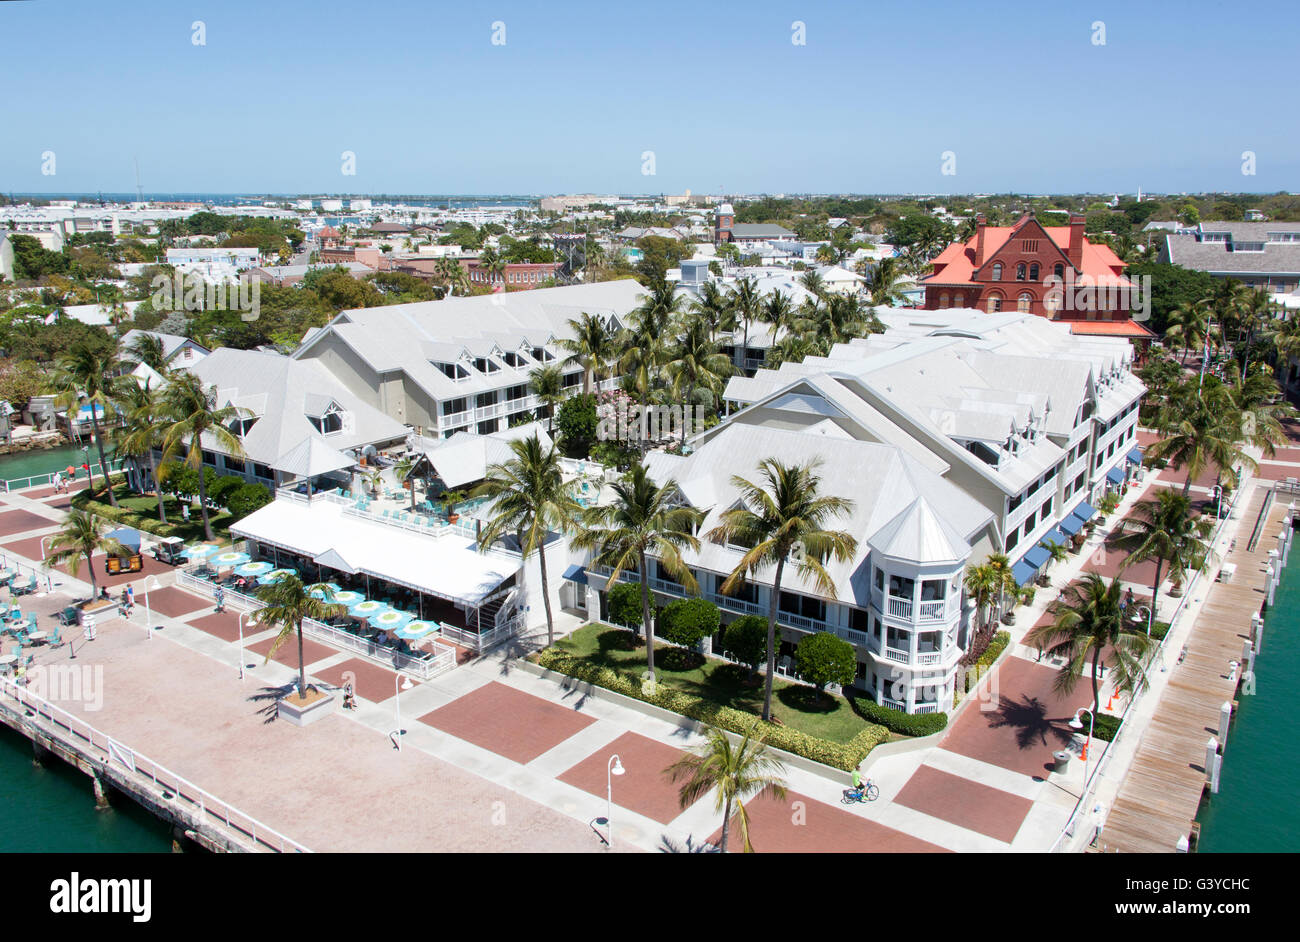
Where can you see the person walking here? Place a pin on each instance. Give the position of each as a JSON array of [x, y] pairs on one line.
[[220, 595]]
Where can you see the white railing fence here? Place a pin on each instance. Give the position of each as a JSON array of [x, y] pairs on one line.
[[199, 802]]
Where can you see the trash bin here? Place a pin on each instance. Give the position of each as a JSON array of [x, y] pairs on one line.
[[1060, 760]]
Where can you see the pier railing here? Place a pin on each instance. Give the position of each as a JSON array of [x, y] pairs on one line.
[[38, 480], [202, 805], [1062, 842]]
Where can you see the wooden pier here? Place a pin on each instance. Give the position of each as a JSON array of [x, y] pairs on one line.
[[1159, 798]]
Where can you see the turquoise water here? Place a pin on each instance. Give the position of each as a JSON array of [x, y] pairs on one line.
[[1256, 810], [27, 463], [51, 807]]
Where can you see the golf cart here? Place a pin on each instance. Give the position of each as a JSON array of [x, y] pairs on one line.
[[170, 550], [129, 537]]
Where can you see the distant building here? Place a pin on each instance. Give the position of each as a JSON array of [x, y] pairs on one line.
[[6, 257], [726, 229], [1259, 254], [179, 353], [238, 259], [517, 275]]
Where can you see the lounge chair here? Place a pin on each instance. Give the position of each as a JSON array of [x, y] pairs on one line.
[[56, 639], [68, 616]]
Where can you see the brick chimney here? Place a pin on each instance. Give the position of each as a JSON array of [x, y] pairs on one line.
[[1075, 252], [980, 223]]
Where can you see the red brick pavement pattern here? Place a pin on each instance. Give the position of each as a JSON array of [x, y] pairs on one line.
[[1272, 471], [1106, 561], [967, 804], [1146, 438], [29, 548], [643, 787], [781, 827], [20, 521], [172, 602], [224, 625], [1207, 478], [312, 651], [516, 725], [34, 493], [370, 680], [1025, 720]]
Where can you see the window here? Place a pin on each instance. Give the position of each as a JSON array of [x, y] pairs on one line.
[[452, 406], [995, 304], [901, 587], [932, 590], [997, 271], [880, 579], [1033, 272], [326, 424], [1024, 301], [1059, 271], [943, 300], [1020, 272]]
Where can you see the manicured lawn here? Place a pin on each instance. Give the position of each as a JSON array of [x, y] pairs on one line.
[[795, 705], [147, 507]]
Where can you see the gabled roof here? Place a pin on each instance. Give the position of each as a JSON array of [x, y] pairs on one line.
[[920, 535], [312, 457]]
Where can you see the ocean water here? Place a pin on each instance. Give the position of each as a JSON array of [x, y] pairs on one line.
[[42, 461], [1256, 810]]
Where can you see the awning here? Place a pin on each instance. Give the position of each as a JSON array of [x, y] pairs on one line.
[[1070, 525], [1135, 456], [1036, 557], [1055, 538], [1022, 572], [576, 574], [1085, 511], [1115, 476]]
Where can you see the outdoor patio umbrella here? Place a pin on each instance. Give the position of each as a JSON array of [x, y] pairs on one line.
[[368, 608], [200, 550], [275, 575], [348, 597], [230, 558], [261, 567], [320, 592], [416, 629], [391, 619]]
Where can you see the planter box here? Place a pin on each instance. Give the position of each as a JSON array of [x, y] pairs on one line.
[[302, 716], [99, 608]]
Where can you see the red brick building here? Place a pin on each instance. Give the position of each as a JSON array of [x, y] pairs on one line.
[[1051, 271], [518, 275]]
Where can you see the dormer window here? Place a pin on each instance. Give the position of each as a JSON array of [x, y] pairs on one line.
[[453, 371], [514, 359], [327, 420], [241, 427], [543, 355], [486, 365]]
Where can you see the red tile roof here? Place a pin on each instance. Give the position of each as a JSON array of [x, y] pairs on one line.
[[956, 264], [1109, 329]]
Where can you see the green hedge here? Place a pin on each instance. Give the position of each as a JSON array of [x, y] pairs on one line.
[[129, 518], [688, 621], [846, 756], [896, 721], [1104, 728]]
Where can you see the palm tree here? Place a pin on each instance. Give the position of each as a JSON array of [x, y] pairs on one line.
[[148, 349], [89, 373], [778, 312], [1089, 619], [452, 275], [529, 501], [642, 519], [287, 602], [82, 536], [813, 282], [787, 523], [1056, 553], [494, 265], [1003, 578], [746, 301], [143, 432], [591, 347], [1190, 323], [1201, 428], [547, 382], [695, 361], [1164, 529], [193, 412], [734, 773], [645, 342], [715, 307], [982, 585], [884, 283]]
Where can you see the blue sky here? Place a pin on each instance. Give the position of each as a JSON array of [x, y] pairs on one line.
[[1018, 92]]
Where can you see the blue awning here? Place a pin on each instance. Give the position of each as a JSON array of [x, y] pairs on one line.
[[1115, 476], [576, 574], [1055, 537], [1036, 557], [1022, 572], [1070, 525], [1085, 511], [1135, 456]]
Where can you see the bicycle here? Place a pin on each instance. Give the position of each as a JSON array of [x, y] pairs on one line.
[[867, 791]]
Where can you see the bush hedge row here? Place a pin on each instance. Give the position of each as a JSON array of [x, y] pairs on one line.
[[905, 724], [846, 756], [130, 518], [1105, 727]]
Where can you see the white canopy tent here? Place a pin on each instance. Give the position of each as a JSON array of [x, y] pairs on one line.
[[448, 566]]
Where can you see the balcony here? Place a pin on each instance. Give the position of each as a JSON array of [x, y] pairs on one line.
[[452, 419], [900, 608]]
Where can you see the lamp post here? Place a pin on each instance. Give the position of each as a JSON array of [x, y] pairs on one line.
[[400, 682], [615, 767], [148, 613], [251, 621], [1077, 723]]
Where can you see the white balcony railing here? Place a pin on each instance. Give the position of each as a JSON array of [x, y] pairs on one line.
[[900, 608]]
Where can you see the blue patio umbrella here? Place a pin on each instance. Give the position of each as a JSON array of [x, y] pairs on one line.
[[391, 619], [319, 592], [275, 575], [200, 550], [261, 567], [416, 629], [230, 558], [348, 597], [368, 608]]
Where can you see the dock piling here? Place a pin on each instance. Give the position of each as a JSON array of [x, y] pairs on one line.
[[1212, 763]]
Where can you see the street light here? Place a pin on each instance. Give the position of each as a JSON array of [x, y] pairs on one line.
[[615, 767], [1077, 723], [148, 613], [405, 684], [251, 621]]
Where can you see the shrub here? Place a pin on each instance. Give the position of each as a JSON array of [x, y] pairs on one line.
[[575, 423], [824, 658], [689, 621], [1158, 630], [223, 487], [844, 756], [625, 605], [896, 721], [247, 498], [746, 640], [1104, 728]]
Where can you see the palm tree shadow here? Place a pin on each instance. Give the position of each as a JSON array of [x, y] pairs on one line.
[[668, 846], [269, 712], [1029, 718]]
